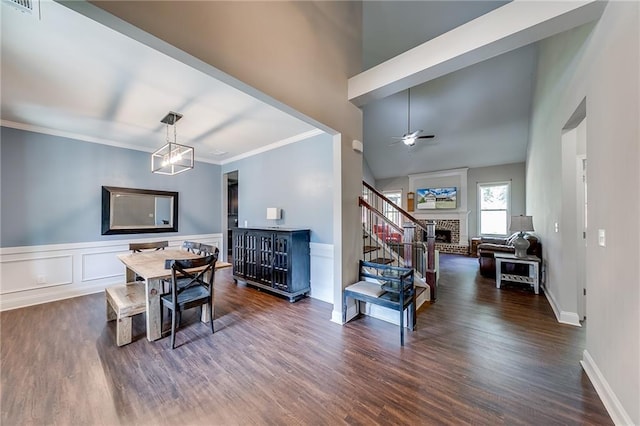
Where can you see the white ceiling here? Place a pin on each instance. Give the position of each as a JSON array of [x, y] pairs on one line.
[[67, 75]]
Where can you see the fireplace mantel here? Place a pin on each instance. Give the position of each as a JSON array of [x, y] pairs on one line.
[[454, 177]]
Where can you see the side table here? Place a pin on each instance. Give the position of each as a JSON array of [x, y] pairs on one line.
[[534, 270], [474, 246]]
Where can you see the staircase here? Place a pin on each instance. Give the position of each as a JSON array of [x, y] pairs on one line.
[[389, 238]]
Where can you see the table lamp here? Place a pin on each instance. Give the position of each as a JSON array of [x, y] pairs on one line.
[[522, 225]]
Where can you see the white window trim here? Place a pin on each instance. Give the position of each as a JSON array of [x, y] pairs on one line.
[[479, 186], [394, 191]]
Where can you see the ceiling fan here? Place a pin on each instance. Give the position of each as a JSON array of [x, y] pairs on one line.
[[410, 138]]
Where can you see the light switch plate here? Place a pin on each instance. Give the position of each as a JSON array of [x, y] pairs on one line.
[[601, 238]]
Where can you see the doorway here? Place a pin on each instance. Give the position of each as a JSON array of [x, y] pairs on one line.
[[232, 208], [574, 216]]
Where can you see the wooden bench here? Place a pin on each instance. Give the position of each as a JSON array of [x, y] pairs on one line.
[[123, 302], [384, 285]]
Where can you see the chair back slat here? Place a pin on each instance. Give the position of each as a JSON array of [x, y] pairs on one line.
[[156, 245], [191, 246], [207, 250]]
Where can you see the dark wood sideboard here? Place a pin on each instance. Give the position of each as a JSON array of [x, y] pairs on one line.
[[273, 259]]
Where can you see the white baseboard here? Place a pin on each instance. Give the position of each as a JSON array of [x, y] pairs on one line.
[[564, 317], [609, 399], [336, 316]]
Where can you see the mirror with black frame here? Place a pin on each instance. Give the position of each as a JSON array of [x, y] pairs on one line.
[[135, 211]]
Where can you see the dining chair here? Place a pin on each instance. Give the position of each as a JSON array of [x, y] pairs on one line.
[[191, 246], [140, 247], [198, 291], [207, 249], [156, 245]]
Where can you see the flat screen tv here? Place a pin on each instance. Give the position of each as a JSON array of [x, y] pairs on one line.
[[436, 198]]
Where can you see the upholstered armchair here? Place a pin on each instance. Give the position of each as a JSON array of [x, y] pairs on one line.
[[489, 246]]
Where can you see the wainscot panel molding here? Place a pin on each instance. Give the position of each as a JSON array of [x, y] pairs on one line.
[[32, 275], [321, 271], [611, 402]]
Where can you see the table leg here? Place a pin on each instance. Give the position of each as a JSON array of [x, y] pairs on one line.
[[130, 275], [534, 273], [205, 313], [154, 326], [498, 272], [205, 308]]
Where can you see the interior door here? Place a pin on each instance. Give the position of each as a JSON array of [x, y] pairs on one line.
[[581, 254]]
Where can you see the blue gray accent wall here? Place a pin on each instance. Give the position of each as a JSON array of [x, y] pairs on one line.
[[298, 178], [51, 189]]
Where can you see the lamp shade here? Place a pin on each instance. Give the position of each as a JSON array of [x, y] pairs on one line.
[[273, 213], [521, 224]]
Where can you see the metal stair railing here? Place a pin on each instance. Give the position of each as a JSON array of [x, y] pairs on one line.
[[388, 242]]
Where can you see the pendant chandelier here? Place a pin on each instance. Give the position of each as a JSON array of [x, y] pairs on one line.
[[172, 158]]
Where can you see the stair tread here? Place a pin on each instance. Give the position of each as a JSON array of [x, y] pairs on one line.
[[381, 260], [369, 249], [420, 290]]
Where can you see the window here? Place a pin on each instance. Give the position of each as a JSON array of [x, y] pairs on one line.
[[390, 211], [494, 200]]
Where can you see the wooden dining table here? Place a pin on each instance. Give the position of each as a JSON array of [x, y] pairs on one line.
[[150, 265]]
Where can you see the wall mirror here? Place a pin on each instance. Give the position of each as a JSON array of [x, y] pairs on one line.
[[135, 211]]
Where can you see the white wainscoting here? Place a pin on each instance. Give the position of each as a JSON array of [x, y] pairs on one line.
[[38, 274], [322, 272]]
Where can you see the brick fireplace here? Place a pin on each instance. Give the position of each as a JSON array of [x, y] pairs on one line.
[[448, 220], [453, 227]]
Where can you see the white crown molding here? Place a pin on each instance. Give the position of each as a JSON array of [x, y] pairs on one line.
[[52, 132], [278, 144], [442, 173]]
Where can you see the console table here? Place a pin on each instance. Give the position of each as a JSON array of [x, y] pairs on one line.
[[273, 259], [534, 270]]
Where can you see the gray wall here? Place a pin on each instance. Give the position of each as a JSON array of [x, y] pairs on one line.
[[51, 189], [298, 178], [600, 62], [506, 172], [367, 176], [514, 173]]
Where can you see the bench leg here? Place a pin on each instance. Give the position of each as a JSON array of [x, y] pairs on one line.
[[111, 314], [344, 309], [123, 331], [401, 327]]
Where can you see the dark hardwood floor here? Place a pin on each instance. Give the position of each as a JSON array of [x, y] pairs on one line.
[[478, 356]]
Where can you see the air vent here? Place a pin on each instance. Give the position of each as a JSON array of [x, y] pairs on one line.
[[25, 6]]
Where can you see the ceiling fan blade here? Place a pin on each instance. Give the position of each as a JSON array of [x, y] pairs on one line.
[[426, 137]]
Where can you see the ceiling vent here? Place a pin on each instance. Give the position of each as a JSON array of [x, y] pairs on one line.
[[32, 7]]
